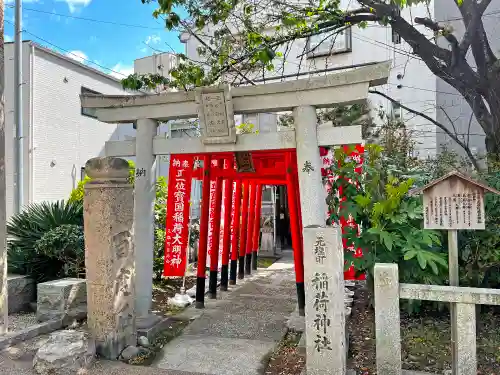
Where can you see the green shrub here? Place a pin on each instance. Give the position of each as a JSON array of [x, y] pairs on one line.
[[29, 229], [78, 192], [65, 244], [391, 220]]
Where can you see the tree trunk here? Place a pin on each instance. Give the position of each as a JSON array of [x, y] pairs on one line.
[[3, 239]]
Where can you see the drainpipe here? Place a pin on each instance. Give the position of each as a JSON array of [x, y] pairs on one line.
[[18, 108]]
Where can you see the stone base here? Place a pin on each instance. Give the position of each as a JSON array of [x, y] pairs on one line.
[[21, 293], [149, 326], [62, 299]]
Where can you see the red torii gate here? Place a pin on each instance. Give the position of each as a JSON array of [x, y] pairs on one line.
[[241, 197]]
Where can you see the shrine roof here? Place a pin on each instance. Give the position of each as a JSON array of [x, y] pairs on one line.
[[450, 175]]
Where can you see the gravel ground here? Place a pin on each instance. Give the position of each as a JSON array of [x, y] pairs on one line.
[[20, 321]]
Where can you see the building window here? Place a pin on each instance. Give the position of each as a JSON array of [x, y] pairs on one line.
[[88, 112], [397, 111], [340, 42], [396, 38]]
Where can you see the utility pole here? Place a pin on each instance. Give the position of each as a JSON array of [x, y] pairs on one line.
[[4, 310], [18, 111]]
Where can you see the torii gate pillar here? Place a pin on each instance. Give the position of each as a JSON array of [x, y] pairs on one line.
[[144, 198], [312, 193]]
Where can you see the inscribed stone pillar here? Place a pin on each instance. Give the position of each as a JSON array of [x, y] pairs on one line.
[[145, 181], [325, 311], [312, 193], [387, 320], [109, 255]]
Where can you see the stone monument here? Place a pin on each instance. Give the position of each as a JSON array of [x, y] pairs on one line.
[[109, 255], [324, 310]]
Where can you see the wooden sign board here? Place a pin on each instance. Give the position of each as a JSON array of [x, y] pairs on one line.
[[216, 115], [454, 202], [244, 162]]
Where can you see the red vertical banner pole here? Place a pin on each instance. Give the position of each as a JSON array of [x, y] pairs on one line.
[[235, 231], [226, 238], [243, 229], [251, 217], [256, 227], [214, 255], [203, 241], [292, 188]]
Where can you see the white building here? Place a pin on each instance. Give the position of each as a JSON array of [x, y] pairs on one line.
[[410, 82], [58, 137]]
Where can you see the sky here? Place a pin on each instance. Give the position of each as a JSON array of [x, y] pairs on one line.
[[105, 34]]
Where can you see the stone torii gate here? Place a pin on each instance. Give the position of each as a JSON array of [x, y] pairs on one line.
[[215, 107]]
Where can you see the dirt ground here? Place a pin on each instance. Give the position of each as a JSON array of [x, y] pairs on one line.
[[425, 340], [167, 289], [425, 343], [287, 359]]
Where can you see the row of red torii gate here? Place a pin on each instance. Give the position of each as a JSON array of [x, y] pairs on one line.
[[230, 219]]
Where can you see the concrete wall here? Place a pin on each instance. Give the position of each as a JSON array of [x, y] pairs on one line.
[[448, 98], [58, 139]]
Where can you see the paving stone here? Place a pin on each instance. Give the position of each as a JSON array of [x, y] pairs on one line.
[[215, 355], [253, 325]]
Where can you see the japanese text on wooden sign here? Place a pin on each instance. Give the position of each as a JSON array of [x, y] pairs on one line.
[[319, 281], [460, 206], [177, 225]]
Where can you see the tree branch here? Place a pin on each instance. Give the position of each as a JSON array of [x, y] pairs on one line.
[[438, 124]]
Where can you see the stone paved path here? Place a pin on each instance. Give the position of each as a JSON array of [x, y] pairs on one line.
[[235, 333]]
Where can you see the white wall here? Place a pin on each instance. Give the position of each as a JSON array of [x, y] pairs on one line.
[[60, 134]]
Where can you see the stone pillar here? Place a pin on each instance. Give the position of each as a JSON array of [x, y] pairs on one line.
[[109, 255], [387, 320], [312, 192], [324, 308], [144, 196]]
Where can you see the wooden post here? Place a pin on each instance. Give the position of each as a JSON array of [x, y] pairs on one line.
[[243, 229], [454, 281], [295, 230], [214, 246], [256, 227], [249, 234], [236, 232], [226, 238], [203, 242]]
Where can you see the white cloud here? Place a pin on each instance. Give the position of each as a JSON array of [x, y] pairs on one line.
[[75, 5], [153, 39], [121, 71], [7, 38], [78, 56]]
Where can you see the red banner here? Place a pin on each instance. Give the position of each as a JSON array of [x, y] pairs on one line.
[[211, 245], [233, 205], [177, 226]]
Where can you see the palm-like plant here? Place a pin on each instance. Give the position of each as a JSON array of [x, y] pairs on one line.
[[27, 228]]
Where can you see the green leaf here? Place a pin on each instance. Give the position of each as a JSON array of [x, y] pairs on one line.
[[422, 261], [410, 254], [433, 266], [386, 239]]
